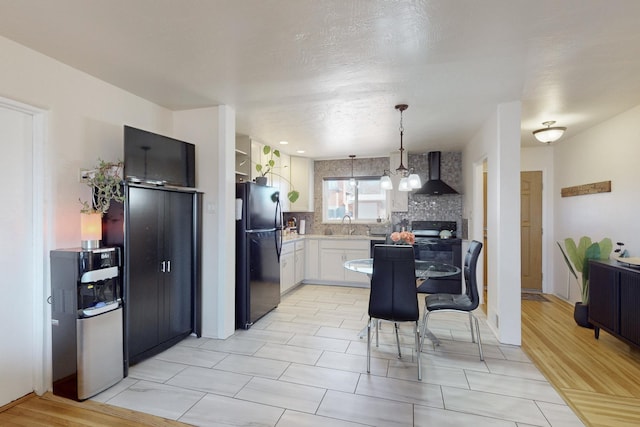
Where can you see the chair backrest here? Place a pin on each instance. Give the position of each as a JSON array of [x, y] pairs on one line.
[[470, 280], [393, 284]]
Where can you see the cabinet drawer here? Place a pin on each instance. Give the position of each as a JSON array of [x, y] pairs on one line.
[[287, 248], [299, 245]]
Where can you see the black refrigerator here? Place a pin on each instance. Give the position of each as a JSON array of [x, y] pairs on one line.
[[258, 247]]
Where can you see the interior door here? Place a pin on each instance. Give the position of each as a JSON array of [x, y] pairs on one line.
[[17, 258], [531, 230]]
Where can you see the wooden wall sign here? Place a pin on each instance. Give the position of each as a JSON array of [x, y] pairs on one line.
[[593, 188]]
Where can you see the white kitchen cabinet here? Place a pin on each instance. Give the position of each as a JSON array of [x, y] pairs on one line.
[[243, 158], [312, 259], [299, 261], [399, 200], [287, 267], [280, 175], [333, 254], [292, 264], [302, 181]]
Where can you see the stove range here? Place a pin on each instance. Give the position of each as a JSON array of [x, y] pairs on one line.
[[433, 230], [430, 246]]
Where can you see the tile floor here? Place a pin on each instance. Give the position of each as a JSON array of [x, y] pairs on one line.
[[304, 365]]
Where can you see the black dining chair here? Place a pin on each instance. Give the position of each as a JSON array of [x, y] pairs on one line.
[[466, 302], [393, 294]]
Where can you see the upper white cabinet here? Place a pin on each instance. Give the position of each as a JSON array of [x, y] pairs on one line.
[[289, 173], [302, 181], [243, 158], [399, 199]]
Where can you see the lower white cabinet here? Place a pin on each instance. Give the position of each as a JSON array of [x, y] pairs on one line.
[[299, 258], [287, 267], [312, 260], [332, 255], [292, 264]]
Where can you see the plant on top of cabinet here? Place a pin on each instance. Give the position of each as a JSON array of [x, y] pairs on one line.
[[105, 182], [267, 168]]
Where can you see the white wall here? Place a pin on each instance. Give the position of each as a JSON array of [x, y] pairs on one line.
[[85, 122], [499, 143], [213, 132], [608, 151], [541, 159]]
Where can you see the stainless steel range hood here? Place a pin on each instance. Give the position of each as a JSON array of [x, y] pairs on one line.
[[435, 186]]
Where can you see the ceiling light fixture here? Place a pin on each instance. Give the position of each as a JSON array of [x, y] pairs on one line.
[[409, 179], [352, 181], [549, 134]]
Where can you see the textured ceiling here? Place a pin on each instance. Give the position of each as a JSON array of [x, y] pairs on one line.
[[325, 74]]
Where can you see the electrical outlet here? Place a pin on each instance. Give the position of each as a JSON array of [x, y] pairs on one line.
[[83, 174]]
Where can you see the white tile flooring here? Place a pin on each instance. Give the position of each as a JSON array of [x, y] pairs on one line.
[[304, 365]]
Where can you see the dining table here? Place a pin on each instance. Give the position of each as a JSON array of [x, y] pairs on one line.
[[424, 270]]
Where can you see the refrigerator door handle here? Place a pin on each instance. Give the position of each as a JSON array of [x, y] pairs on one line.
[[278, 227]]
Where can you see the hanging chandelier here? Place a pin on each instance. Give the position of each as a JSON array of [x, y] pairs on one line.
[[352, 181], [408, 179]]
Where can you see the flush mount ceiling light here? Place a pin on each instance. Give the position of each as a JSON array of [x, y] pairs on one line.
[[409, 180], [549, 134]]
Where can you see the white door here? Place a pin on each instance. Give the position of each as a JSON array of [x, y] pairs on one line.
[[21, 332]]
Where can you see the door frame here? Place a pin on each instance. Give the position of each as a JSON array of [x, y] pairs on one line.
[[41, 311]]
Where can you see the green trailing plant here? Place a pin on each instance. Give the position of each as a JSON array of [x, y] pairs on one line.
[[577, 258], [105, 181], [267, 169]]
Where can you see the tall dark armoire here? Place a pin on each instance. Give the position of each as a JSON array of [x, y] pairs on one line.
[[158, 229]]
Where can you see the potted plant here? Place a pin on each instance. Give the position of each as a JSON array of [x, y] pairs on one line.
[[577, 259], [267, 169], [105, 182]]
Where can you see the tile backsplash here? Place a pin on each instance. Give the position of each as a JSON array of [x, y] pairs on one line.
[[421, 207]]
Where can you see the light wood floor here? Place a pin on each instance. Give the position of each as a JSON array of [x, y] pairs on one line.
[[49, 410], [599, 379]]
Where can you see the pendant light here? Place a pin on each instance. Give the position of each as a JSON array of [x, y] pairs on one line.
[[409, 179], [549, 134], [352, 181]]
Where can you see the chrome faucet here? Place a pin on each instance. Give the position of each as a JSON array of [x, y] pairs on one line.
[[349, 230]]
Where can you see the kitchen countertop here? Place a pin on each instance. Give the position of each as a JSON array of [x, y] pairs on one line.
[[294, 237]]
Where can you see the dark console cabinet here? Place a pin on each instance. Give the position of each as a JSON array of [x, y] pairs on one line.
[[161, 251], [614, 298]]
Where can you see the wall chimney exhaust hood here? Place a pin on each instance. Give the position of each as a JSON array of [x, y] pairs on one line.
[[435, 186]]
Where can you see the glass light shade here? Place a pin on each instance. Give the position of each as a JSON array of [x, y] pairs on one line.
[[550, 134], [385, 182], [404, 185], [90, 230], [414, 181]]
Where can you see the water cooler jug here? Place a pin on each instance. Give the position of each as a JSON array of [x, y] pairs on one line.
[[86, 319]]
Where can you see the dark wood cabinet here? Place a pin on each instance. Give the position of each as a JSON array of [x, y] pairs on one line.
[[160, 263], [614, 298]]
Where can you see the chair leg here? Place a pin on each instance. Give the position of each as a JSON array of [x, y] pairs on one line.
[[418, 349], [377, 327], [471, 317], [397, 340], [369, 346], [479, 340]]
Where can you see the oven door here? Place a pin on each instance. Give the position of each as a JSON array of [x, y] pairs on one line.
[[435, 250]]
